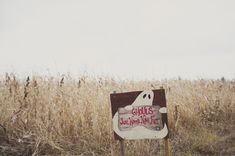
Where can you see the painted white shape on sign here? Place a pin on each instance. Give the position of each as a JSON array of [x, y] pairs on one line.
[[163, 110]]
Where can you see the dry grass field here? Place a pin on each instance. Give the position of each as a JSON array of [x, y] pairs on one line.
[[72, 116]]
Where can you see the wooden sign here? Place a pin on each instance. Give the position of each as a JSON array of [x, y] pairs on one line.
[[139, 115]]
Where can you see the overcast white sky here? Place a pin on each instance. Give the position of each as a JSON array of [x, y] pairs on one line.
[[125, 39]]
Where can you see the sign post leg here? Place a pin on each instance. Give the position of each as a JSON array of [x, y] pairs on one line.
[[122, 147], [167, 149]]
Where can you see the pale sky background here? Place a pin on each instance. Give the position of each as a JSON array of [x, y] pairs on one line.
[[124, 39]]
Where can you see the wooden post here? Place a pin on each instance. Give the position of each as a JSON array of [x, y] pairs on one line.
[[167, 149], [122, 147]]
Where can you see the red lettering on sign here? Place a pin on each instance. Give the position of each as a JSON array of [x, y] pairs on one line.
[[147, 116]]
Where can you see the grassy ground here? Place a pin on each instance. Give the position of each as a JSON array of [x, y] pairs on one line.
[[68, 116]]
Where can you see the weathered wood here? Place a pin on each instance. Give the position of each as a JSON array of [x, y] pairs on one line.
[[122, 147], [167, 149]]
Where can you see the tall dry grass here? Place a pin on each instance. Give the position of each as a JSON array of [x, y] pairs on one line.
[[69, 116]]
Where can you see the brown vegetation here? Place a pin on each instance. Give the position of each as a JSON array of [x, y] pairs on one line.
[[67, 116]]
